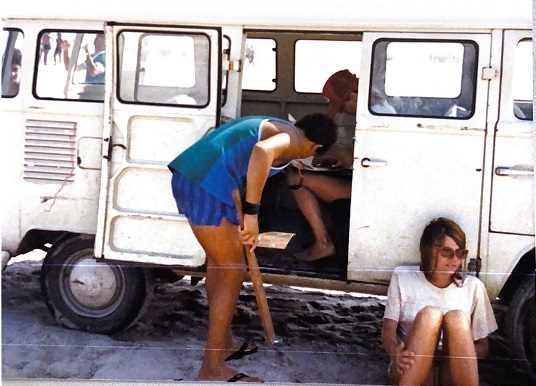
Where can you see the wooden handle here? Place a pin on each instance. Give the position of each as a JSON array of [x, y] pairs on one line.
[[256, 279]]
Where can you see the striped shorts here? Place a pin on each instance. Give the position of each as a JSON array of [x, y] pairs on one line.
[[198, 205]]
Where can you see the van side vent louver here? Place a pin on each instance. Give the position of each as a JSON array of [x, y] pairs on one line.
[[49, 151]]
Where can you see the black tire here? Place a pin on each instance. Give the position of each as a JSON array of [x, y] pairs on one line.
[[87, 294], [521, 325]]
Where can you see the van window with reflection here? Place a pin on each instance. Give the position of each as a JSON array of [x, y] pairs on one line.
[[164, 68], [523, 80], [71, 65], [259, 68], [423, 78], [11, 62], [317, 60]]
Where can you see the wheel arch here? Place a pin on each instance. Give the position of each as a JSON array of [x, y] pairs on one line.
[[525, 266], [38, 238]]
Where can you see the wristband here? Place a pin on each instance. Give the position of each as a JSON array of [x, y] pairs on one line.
[[250, 208]]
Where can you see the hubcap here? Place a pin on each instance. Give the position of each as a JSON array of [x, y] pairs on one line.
[[91, 288]]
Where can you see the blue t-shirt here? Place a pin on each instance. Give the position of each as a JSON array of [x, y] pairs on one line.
[[97, 58], [219, 161]]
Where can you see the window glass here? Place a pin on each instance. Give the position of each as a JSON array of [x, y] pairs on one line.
[[259, 65], [11, 62], [423, 78], [71, 65], [161, 68], [317, 60], [523, 80]]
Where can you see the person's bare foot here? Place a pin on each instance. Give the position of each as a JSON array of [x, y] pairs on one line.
[[316, 251]]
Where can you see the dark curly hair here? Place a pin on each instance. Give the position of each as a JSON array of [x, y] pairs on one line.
[[433, 235], [319, 128]]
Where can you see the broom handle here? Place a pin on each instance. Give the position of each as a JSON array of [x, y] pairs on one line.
[[256, 279]]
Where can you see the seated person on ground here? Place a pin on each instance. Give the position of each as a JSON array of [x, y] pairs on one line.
[[309, 187], [436, 314]]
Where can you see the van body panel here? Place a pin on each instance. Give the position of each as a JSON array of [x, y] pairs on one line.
[[496, 269], [301, 14]]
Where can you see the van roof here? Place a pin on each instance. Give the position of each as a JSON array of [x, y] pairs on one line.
[[285, 14]]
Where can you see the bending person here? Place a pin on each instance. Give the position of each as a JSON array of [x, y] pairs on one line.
[[310, 188], [434, 314], [240, 154]]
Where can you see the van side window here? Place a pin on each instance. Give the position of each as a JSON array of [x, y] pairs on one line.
[[423, 78], [71, 65], [11, 62], [317, 60], [259, 65], [164, 68], [523, 80]]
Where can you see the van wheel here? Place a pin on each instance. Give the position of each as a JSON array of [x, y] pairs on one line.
[[85, 294], [521, 325]]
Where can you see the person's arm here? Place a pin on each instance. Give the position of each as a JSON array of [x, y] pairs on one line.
[[338, 155], [65, 49], [262, 157], [93, 68], [400, 357], [482, 348]]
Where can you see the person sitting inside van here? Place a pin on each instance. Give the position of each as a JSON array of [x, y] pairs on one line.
[[309, 187], [436, 314]]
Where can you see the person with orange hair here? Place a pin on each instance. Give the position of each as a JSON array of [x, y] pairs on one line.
[[311, 188]]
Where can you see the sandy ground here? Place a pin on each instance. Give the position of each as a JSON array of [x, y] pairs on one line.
[[328, 338]]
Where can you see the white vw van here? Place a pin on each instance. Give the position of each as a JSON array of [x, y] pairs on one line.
[[84, 161]]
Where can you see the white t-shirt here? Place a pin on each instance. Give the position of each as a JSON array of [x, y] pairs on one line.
[[410, 291]]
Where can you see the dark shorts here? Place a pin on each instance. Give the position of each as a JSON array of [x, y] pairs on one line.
[[198, 205]]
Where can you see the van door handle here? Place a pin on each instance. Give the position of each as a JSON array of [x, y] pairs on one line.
[[502, 171], [367, 162]]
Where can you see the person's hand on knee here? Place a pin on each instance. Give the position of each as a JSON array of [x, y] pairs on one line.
[[403, 359]]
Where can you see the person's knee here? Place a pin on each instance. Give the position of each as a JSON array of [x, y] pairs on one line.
[[430, 314], [458, 320]]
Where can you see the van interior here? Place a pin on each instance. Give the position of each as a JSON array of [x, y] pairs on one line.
[[290, 70]]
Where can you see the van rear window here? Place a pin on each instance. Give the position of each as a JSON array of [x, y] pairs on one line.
[[423, 78]]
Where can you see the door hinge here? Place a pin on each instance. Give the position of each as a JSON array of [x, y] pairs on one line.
[[233, 65], [475, 265], [490, 73]]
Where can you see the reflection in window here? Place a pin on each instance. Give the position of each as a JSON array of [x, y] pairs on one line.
[[317, 60], [226, 54], [164, 68], [11, 62], [71, 65], [259, 65], [523, 80], [416, 78]]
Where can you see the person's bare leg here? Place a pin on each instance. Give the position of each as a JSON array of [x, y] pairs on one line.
[[232, 344], [325, 188], [322, 245], [458, 335], [422, 341], [226, 270]]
